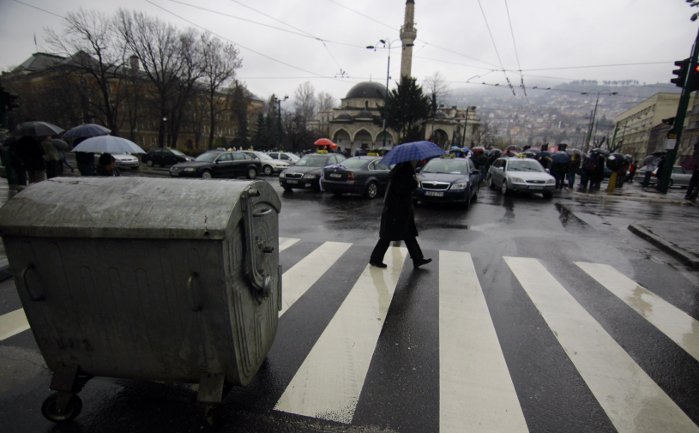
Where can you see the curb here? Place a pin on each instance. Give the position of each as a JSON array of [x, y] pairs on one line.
[[683, 256]]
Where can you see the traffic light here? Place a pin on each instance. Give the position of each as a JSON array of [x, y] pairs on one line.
[[681, 72], [693, 79]]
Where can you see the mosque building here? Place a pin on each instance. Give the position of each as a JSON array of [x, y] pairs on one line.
[[356, 126]]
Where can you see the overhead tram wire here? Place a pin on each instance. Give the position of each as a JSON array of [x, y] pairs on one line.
[[496, 48], [40, 9], [319, 39], [243, 46], [514, 44]]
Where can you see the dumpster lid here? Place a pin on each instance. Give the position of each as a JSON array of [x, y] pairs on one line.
[[129, 207]]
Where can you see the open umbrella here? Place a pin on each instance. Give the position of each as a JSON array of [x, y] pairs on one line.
[[37, 129], [560, 157], [60, 145], [108, 144], [86, 130], [413, 151], [326, 142]]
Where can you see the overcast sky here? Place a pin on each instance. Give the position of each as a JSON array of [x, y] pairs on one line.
[[285, 43]]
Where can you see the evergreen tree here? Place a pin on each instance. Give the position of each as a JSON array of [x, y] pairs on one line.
[[406, 107]]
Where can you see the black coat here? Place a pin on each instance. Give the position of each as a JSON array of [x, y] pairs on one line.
[[398, 215]]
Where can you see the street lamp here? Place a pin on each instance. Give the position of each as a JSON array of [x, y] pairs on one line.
[[588, 138], [279, 114], [385, 43]]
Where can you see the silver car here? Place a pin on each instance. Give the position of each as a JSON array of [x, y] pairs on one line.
[[520, 174]]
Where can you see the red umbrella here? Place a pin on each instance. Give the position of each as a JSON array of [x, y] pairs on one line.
[[325, 142]]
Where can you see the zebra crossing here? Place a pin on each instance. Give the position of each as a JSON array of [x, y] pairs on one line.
[[476, 390]]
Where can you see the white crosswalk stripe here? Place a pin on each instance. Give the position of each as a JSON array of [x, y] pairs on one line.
[[631, 399], [285, 243], [331, 377], [12, 324], [476, 392], [679, 326]]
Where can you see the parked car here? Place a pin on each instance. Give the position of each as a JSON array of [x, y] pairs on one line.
[[363, 175], [307, 171], [269, 166], [448, 180], [125, 160], [520, 174], [284, 156], [164, 156], [218, 163], [678, 178]]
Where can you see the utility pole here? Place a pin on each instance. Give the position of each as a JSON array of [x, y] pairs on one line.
[[689, 85]]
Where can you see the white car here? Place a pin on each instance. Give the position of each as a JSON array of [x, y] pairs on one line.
[[284, 156], [125, 160], [269, 166], [520, 174]]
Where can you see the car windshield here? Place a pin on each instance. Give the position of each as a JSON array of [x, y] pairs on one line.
[[263, 156], [313, 161], [524, 165], [177, 152], [354, 163], [207, 156], [446, 166]]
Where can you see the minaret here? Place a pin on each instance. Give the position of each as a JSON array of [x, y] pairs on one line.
[[408, 33]]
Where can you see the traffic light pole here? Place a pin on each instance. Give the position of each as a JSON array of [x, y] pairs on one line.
[[676, 132]]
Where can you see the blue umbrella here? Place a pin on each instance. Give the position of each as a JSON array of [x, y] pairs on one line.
[[86, 130], [413, 151], [560, 157]]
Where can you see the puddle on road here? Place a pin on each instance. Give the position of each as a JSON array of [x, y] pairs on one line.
[[568, 218]]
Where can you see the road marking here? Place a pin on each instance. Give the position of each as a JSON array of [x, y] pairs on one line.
[[300, 277], [13, 323], [633, 402], [476, 392], [328, 383], [285, 243], [679, 326]]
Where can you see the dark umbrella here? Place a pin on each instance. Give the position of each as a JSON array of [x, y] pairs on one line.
[[560, 157], [413, 151], [86, 130], [37, 129], [60, 145]]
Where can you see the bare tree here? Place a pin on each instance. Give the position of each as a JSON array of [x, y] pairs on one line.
[[436, 88], [325, 101], [305, 103], [91, 39], [158, 48], [220, 63]]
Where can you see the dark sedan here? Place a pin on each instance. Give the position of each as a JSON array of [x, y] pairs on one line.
[[307, 171], [164, 156], [363, 175], [218, 163], [448, 180]]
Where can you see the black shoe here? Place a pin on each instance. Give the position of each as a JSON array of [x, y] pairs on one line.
[[420, 262], [378, 264]]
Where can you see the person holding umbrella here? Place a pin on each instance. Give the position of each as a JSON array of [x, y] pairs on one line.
[[398, 216]]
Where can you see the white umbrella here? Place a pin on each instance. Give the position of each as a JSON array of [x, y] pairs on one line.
[[108, 144]]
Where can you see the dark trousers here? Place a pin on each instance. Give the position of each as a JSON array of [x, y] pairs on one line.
[[693, 187], [383, 244]]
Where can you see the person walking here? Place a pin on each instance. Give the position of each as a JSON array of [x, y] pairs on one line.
[[573, 168], [32, 155], [398, 217], [106, 166]]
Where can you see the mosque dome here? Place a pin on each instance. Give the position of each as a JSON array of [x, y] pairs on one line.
[[367, 89]]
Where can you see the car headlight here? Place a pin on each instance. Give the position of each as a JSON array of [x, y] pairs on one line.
[[310, 176], [516, 180], [551, 182], [282, 175], [459, 186]]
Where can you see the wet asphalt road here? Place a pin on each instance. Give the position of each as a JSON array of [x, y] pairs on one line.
[[401, 389]]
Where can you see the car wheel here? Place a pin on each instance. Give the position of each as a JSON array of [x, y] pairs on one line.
[[287, 189], [206, 174], [372, 190], [252, 173], [268, 170], [503, 187], [149, 163]]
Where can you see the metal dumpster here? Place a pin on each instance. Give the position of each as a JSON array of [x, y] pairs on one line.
[[144, 278]]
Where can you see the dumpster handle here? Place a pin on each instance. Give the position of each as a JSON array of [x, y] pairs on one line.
[[259, 281], [40, 295], [195, 297]]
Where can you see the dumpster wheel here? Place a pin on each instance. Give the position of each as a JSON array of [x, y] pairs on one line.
[[61, 407]]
